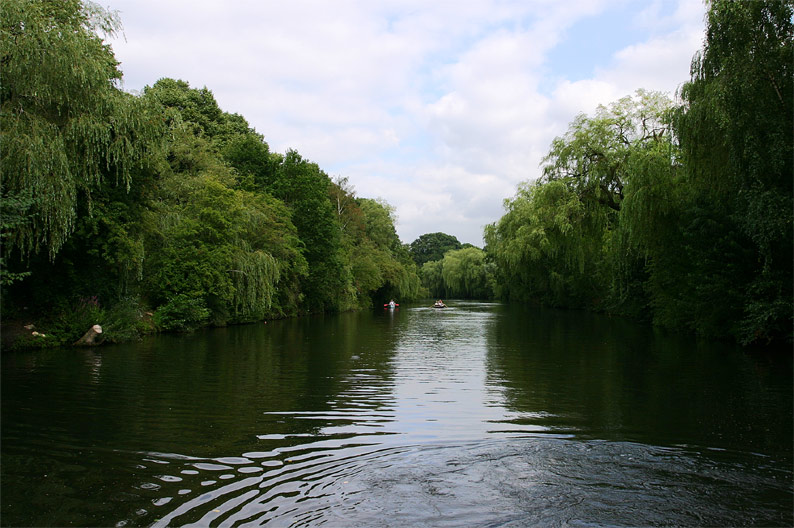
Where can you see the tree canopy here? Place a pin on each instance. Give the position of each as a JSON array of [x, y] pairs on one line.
[[116, 205], [432, 246], [462, 273], [66, 126], [676, 212]]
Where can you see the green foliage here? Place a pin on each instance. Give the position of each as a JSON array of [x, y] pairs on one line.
[[738, 104], [350, 217], [367, 262], [65, 125], [599, 154], [625, 269], [432, 246], [305, 189], [433, 279], [255, 277], [124, 321], [72, 324], [379, 222], [395, 273], [67, 322], [548, 245], [466, 275], [13, 214], [182, 313], [463, 273], [735, 128], [207, 242], [213, 231], [250, 156], [163, 200], [680, 215], [197, 111]]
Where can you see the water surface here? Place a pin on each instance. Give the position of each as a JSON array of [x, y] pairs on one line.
[[477, 415]]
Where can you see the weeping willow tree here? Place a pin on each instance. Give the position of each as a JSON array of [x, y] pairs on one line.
[[572, 238], [432, 278], [465, 274], [548, 245], [735, 126], [599, 155], [255, 276], [66, 126]]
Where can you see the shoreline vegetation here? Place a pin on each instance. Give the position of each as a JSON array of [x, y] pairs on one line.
[[160, 212]]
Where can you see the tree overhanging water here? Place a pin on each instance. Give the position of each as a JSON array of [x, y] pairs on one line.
[[163, 212]]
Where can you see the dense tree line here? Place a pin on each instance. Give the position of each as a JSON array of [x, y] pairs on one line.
[[160, 210], [462, 273], [677, 212], [451, 269], [161, 207]]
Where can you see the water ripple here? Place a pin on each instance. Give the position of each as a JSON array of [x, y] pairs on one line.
[[529, 481]]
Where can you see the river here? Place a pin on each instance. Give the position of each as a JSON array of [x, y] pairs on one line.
[[481, 414]]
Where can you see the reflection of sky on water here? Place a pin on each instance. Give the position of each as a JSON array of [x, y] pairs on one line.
[[478, 414], [441, 391]]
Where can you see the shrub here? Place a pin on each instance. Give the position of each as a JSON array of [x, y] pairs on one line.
[[124, 321], [182, 313]]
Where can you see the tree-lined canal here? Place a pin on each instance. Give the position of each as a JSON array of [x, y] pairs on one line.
[[478, 415]]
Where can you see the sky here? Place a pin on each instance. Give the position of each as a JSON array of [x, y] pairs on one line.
[[440, 108]]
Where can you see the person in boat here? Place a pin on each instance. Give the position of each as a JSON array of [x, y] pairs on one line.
[[439, 304], [392, 304]]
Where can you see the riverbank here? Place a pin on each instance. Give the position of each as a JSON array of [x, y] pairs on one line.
[[51, 331]]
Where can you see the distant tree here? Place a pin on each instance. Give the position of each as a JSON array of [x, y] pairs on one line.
[[379, 220], [462, 273], [432, 246], [348, 212], [465, 273], [432, 279]]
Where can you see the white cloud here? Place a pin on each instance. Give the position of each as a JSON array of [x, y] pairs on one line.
[[439, 108], [494, 120]]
